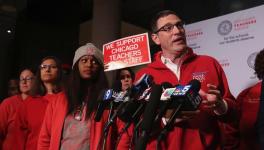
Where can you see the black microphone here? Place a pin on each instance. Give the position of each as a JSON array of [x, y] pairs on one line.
[[140, 90], [117, 97], [149, 116], [123, 99], [143, 83], [183, 98], [188, 95], [132, 110], [165, 103], [104, 97]]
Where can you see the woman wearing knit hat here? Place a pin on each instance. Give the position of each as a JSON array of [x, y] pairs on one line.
[[69, 123]]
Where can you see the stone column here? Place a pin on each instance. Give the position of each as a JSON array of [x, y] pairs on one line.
[[106, 25]]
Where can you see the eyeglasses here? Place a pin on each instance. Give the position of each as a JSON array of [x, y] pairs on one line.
[[26, 79], [42, 67], [169, 27], [122, 77]]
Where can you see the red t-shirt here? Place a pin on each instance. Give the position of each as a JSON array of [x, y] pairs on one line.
[[8, 109]]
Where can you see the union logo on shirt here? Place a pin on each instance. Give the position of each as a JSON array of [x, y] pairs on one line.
[[199, 76]]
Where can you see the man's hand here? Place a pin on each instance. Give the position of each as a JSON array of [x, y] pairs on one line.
[[213, 100], [183, 115]]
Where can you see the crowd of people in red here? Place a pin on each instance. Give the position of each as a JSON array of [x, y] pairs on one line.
[[52, 112]]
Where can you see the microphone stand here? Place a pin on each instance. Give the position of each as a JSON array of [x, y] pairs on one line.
[[127, 125], [168, 126], [102, 142]]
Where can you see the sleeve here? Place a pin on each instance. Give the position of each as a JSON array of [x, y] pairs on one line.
[[230, 131], [240, 98], [139, 74], [228, 122], [45, 131], [125, 140], [4, 115], [232, 105]]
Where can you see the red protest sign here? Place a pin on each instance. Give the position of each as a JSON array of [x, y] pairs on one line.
[[126, 52]]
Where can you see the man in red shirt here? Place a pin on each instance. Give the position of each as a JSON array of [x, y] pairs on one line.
[[176, 63]]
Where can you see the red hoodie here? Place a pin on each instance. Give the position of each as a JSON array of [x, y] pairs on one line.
[[29, 121], [248, 101], [204, 130]]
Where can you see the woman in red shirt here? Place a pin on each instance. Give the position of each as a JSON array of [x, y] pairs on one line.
[[69, 123], [9, 107], [31, 113]]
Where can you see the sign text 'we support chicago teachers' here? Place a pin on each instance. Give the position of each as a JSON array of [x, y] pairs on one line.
[[126, 52]]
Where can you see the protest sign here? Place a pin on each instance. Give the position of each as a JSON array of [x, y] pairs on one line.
[[126, 52]]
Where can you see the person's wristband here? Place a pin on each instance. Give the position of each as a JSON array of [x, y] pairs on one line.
[[221, 108]]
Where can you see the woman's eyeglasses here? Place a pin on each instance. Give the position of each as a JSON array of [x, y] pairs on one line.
[[26, 79], [42, 67]]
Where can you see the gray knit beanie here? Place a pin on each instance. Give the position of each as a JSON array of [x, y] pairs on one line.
[[88, 49]]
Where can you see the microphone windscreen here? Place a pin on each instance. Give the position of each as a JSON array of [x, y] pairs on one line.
[[126, 113], [196, 85], [101, 106], [151, 108]]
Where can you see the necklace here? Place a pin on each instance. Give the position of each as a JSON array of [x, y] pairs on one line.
[[77, 114]]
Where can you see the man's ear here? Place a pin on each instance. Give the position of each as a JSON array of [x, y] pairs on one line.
[[155, 38]]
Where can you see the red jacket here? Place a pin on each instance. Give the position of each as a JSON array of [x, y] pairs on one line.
[[248, 101], [8, 109], [202, 131], [29, 121], [52, 127]]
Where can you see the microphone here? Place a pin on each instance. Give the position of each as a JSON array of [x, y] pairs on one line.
[[143, 83], [140, 90], [188, 95], [149, 116], [117, 97], [123, 101], [131, 110], [166, 101], [106, 96], [139, 86], [183, 98]]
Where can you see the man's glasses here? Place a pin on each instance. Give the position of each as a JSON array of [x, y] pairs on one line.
[[26, 79], [125, 76], [42, 67], [169, 27]]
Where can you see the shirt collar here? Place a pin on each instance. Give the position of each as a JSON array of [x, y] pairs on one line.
[[165, 60]]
